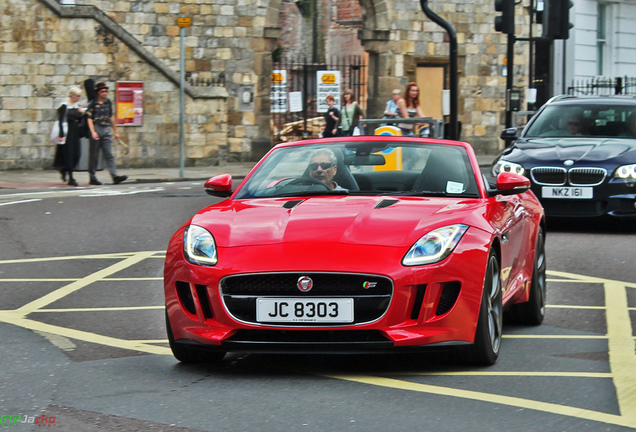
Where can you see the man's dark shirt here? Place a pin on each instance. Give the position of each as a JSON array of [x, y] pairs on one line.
[[330, 123], [100, 113]]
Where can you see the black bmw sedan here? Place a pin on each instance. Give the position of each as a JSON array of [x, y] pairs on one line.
[[579, 153]]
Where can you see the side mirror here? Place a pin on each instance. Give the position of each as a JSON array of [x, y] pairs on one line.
[[509, 134], [219, 186], [510, 184]]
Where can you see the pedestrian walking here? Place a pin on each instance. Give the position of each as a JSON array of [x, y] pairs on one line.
[[101, 118], [67, 134], [332, 118], [351, 114], [409, 107]]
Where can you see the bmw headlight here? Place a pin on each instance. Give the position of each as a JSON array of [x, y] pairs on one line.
[[626, 172], [199, 246], [434, 246], [505, 166]]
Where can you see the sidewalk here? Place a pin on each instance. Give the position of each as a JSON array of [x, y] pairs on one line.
[[31, 179]]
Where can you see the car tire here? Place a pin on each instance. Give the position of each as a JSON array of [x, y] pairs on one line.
[[532, 312], [190, 355], [487, 344]]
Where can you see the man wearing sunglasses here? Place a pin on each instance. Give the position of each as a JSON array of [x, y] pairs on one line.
[[323, 167]]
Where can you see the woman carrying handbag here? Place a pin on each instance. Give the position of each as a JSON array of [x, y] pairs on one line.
[[351, 114], [67, 132]]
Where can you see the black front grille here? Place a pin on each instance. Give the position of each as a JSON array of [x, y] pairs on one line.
[[371, 294], [557, 176], [586, 176], [324, 284], [548, 175]]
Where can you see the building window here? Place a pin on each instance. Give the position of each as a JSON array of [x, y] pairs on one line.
[[601, 38]]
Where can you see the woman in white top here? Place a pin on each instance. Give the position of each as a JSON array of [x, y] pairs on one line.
[[68, 150]]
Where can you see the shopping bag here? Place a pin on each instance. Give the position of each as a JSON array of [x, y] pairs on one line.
[[55, 133]]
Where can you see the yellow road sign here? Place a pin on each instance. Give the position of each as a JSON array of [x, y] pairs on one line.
[[184, 21]]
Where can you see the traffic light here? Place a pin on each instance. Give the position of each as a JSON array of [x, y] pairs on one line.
[[505, 22], [556, 19]]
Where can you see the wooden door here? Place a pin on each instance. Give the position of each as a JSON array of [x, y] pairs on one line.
[[430, 80]]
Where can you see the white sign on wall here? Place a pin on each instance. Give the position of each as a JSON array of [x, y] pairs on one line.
[[278, 95], [295, 101], [328, 83]]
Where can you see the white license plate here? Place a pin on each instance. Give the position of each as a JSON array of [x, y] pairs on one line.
[[308, 310], [567, 192]]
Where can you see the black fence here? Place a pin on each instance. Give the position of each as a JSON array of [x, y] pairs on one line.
[[302, 78], [604, 86]]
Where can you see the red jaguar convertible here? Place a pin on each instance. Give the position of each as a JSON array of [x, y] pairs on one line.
[[357, 245]]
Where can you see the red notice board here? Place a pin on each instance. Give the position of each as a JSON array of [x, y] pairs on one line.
[[130, 103]]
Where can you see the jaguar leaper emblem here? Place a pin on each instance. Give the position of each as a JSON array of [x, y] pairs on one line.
[[305, 283]]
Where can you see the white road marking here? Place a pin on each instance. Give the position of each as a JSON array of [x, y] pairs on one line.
[[19, 202]]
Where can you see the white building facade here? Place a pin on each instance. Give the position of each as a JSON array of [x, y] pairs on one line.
[[601, 44]]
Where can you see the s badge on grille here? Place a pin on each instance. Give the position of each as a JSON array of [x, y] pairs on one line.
[[367, 285], [305, 283]]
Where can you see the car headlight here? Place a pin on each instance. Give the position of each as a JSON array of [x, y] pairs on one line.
[[505, 166], [626, 172], [199, 246], [434, 246]]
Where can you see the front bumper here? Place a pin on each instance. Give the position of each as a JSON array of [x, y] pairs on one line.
[[429, 306], [321, 341], [616, 199]]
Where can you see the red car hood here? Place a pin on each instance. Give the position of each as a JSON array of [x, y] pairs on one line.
[[399, 222]]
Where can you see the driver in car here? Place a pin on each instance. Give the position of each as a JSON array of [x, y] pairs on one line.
[[323, 167]]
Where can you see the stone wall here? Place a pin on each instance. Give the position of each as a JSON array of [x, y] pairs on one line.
[[46, 48], [398, 38]]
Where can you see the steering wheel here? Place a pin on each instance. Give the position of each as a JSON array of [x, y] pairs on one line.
[[304, 181]]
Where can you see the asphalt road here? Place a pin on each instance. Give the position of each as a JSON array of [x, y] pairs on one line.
[[82, 338]]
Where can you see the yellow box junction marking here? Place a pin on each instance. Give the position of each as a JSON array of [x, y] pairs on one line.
[[620, 338]]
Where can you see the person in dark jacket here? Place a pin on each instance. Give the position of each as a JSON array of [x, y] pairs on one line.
[[68, 149], [332, 118]]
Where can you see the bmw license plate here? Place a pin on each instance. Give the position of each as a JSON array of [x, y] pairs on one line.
[[567, 192], [304, 310]]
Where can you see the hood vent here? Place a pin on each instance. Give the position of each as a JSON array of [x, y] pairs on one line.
[[291, 204], [386, 203]]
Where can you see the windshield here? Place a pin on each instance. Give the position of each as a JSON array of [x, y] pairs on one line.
[[585, 120], [369, 168]]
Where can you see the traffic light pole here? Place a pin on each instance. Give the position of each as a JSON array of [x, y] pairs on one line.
[[510, 77]]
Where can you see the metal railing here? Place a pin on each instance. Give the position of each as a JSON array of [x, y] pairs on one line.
[[435, 128], [301, 77], [602, 86]]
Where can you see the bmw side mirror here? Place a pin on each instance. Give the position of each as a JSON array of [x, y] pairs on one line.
[[509, 134], [219, 186]]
